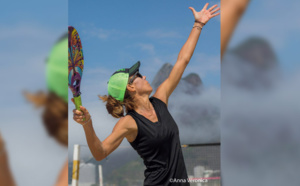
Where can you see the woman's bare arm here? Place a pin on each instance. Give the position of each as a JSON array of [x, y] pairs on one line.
[[232, 10], [201, 18], [100, 150]]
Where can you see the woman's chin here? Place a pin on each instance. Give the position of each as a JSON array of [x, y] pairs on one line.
[[150, 90]]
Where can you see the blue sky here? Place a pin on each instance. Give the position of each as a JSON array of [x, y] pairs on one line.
[[117, 34]]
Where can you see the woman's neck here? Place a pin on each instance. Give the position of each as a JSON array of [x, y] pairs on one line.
[[143, 104]]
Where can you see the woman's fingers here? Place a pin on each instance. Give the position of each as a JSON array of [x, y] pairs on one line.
[[214, 15], [211, 8], [205, 6], [84, 110], [78, 116], [84, 113], [193, 10], [75, 111], [215, 10], [78, 120]]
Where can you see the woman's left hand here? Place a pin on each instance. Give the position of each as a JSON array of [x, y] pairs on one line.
[[205, 14]]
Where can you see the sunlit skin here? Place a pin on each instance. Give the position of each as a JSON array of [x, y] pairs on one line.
[[140, 90], [62, 179], [6, 177], [141, 86], [232, 11]]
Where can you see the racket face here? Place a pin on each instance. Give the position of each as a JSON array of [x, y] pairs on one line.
[[75, 61]]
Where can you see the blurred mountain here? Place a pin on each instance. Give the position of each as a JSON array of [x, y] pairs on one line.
[[251, 65], [191, 84], [257, 51], [192, 107], [161, 75]]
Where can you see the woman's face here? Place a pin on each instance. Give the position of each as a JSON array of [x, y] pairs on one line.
[[142, 86]]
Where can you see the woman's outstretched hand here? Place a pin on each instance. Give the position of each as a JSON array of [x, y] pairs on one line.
[[205, 14], [82, 117]]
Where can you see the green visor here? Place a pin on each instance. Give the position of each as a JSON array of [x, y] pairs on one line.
[[118, 81]]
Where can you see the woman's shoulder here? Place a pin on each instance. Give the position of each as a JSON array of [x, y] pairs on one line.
[[158, 100], [126, 122], [127, 118]]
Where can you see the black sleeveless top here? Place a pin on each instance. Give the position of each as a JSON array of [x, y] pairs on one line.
[[159, 146]]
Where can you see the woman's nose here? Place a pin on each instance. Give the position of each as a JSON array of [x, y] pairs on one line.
[[144, 77]]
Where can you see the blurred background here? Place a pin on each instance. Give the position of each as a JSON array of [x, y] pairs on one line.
[[29, 30], [116, 35], [260, 74], [260, 96]]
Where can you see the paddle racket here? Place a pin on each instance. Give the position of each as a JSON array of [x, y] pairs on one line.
[[75, 65]]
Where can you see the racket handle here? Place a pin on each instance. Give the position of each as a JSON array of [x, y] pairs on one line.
[[77, 101]]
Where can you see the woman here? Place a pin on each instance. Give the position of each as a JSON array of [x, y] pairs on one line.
[[55, 102], [148, 126]]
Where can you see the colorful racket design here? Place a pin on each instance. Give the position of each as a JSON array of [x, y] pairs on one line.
[[75, 65]]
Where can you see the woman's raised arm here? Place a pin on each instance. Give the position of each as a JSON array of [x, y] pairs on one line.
[[201, 18]]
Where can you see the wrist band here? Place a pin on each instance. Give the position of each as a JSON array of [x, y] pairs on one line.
[[87, 121], [199, 22], [198, 27]]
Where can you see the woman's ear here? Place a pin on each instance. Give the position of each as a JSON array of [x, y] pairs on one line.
[[130, 87]]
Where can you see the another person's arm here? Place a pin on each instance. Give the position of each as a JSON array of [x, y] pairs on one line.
[[63, 176], [201, 18], [232, 10], [6, 177]]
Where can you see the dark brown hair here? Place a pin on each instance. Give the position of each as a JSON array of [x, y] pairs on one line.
[[116, 107], [55, 114]]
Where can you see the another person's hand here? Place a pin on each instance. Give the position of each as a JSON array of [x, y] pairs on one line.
[[205, 14], [82, 117]]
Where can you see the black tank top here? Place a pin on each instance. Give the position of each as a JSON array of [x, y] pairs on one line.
[[159, 146]]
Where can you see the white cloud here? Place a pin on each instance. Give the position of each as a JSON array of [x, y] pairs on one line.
[[90, 30], [260, 130], [146, 47], [27, 30], [204, 64], [100, 33]]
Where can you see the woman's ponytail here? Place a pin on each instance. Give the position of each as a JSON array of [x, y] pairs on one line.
[[116, 107], [113, 106]]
